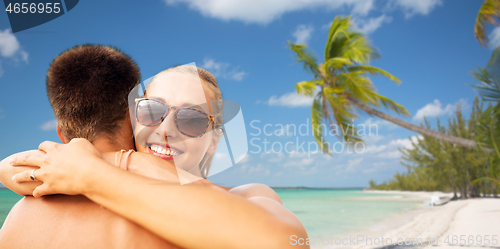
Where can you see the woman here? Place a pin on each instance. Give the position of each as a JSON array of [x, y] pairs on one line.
[[198, 215]]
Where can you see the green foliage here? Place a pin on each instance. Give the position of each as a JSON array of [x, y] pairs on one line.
[[488, 78], [488, 129], [435, 165]]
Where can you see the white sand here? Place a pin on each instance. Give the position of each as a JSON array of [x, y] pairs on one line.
[[473, 220], [477, 220]]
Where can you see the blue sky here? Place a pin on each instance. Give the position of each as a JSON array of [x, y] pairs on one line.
[[428, 44]]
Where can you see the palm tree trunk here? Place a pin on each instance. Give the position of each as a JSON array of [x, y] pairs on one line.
[[424, 131], [452, 183]]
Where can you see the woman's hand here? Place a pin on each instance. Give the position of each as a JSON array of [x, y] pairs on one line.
[[63, 169]]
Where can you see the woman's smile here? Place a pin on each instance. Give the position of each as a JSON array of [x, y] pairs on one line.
[[165, 152]]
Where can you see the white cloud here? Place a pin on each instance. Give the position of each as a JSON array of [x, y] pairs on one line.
[[49, 125], [391, 154], [370, 25], [494, 38], [10, 48], [412, 7], [375, 148], [372, 139], [363, 7], [258, 168], [295, 154], [266, 11], [406, 143], [303, 33], [353, 164], [390, 150], [394, 146], [290, 100], [301, 164], [221, 69], [433, 109], [272, 157]]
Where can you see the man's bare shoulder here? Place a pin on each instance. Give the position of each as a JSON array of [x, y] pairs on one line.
[[255, 190], [61, 221]]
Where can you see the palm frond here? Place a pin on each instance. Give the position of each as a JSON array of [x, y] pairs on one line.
[[494, 70], [359, 50], [316, 120], [336, 63], [357, 86], [336, 36], [302, 55], [344, 116], [374, 71], [390, 104], [488, 13], [488, 129], [307, 88], [488, 78]]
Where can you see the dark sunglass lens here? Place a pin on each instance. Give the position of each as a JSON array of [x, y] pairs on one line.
[[150, 112], [191, 122]]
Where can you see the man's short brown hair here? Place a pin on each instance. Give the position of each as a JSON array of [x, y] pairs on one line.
[[88, 88]]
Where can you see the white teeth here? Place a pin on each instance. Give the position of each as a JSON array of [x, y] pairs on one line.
[[164, 151]]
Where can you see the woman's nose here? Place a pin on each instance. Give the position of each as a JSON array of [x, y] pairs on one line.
[[167, 126]]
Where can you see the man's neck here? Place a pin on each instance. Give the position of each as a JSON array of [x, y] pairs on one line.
[[106, 145]]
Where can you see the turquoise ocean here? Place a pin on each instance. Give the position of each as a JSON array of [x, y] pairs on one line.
[[332, 212], [7, 200]]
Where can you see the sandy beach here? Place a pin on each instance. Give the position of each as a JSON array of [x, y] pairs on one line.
[[471, 223]]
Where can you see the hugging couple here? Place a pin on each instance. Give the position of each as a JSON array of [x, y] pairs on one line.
[[115, 182]]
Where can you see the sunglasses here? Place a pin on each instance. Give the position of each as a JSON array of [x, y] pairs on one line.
[[189, 121]]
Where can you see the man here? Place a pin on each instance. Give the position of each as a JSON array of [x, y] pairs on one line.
[[87, 87]]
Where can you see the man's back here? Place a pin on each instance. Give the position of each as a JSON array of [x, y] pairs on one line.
[[71, 222]]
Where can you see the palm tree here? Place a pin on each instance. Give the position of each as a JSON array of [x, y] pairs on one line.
[[488, 78], [488, 13], [488, 127], [341, 85], [488, 86]]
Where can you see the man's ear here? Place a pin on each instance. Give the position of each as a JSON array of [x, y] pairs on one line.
[[63, 139]]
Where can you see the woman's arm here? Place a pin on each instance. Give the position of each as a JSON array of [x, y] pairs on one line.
[[7, 171], [190, 216], [140, 163]]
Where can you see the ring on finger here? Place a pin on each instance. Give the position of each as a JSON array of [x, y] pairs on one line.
[[32, 175]]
